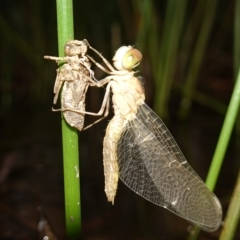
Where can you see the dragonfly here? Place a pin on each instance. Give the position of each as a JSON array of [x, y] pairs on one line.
[[139, 149], [74, 77]]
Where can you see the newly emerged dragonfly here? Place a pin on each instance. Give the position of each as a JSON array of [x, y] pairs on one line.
[[75, 76], [140, 150]]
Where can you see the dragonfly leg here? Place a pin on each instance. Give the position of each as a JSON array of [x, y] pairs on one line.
[[104, 116], [61, 77], [104, 110], [57, 86], [57, 59], [111, 68], [100, 66]]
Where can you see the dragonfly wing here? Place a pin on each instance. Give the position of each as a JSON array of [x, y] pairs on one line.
[[153, 166]]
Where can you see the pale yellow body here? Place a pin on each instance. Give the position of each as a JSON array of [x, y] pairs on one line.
[[128, 94]]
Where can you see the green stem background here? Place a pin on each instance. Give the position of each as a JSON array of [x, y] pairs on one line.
[[69, 135]]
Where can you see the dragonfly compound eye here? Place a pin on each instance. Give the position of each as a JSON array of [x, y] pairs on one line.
[[126, 58], [131, 59]]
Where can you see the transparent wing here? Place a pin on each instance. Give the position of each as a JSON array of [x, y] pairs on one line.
[[153, 166]]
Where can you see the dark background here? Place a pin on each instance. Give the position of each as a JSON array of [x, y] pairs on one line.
[[30, 133]]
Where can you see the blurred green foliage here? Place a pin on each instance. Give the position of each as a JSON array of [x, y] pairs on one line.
[[168, 33], [187, 48]]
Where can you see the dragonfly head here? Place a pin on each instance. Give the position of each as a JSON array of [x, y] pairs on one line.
[[75, 47], [126, 58]]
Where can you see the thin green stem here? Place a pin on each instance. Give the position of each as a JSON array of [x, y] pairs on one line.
[[236, 37], [198, 53], [222, 142], [169, 51], [233, 214], [224, 136], [69, 135]]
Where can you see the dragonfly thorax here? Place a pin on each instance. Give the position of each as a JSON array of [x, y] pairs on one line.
[[128, 94]]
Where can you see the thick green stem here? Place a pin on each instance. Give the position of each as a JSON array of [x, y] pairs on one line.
[[69, 135]]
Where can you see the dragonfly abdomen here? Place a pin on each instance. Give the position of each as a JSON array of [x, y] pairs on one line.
[[112, 136]]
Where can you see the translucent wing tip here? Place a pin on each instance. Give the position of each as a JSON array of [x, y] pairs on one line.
[[218, 209], [214, 219]]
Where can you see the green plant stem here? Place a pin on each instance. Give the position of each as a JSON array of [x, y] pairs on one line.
[[209, 101], [169, 51], [223, 141], [224, 136], [195, 63], [147, 35], [233, 214], [236, 37], [69, 135]]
